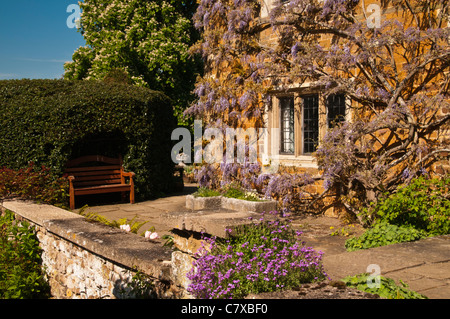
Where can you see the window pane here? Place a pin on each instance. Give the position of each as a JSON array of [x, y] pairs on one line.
[[336, 109], [310, 123], [287, 125]]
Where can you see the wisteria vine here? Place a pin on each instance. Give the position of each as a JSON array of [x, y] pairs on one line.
[[395, 76]]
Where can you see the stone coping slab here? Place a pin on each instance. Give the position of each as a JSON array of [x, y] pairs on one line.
[[127, 249]]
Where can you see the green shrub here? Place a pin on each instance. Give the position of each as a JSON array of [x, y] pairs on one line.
[[21, 274], [382, 234], [417, 210], [206, 192], [230, 191], [422, 205], [387, 287], [50, 122], [234, 191], [34, 183]]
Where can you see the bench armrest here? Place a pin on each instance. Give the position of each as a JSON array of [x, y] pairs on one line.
[[128, 174], [71, 179]]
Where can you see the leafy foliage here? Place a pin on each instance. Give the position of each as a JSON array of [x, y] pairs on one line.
[[140, 287], [265, 256], [382, 234], [230, 190], [148, 41], [206, 192], [49, 122], [21, 273], [387, 289], [33, 183], [423, 204], [95, 217], [234, 191], [417, 210]]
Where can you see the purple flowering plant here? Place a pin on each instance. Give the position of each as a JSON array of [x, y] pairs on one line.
[[265, 255], [394, 75], [286, 188]]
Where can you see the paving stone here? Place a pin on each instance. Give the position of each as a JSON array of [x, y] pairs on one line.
[[440, 292], [438, 271]]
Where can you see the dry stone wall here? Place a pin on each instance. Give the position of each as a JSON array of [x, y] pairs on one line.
[[85, 260], [74, 272]]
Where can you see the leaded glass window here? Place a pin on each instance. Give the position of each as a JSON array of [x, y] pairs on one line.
[[310, 123], [335, 109], [287, 125]]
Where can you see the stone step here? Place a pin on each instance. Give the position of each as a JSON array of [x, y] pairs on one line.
[[212, 221]]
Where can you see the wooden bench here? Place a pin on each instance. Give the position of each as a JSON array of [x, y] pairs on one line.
[[98, 174]]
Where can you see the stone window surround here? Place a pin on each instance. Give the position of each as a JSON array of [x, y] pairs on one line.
[[273, 120]]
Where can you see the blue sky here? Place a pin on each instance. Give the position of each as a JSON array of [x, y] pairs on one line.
[[35, 40]]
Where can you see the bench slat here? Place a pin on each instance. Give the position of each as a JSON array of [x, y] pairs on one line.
[[96, 177], [102, 189], [96, 173], [92, 168], [99, 182]]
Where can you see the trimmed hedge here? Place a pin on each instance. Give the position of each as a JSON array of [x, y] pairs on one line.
[[50, 122]]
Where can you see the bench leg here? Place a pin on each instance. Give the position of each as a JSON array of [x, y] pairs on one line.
[[72, 202], [132, 195], [72, 196]]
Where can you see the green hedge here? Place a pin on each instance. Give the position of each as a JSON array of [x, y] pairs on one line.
[[50, 122]]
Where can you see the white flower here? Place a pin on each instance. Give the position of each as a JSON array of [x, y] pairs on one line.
[[125, 227], [154, 236], [150, 235]]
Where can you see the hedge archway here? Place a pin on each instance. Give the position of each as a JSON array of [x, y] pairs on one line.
[[51, 121]]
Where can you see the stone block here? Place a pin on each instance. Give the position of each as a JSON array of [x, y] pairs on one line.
[[199, 203], [186, 244], [218, 202], [181, 265], [248, 206]]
